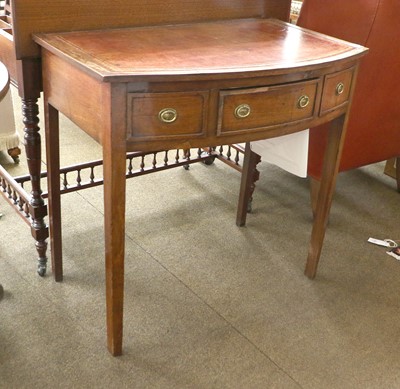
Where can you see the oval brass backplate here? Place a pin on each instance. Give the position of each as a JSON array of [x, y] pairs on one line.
[[339, 88], [303, 101], [242, 111], [168, 115]]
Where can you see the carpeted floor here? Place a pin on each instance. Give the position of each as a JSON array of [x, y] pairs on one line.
[[207, 304]]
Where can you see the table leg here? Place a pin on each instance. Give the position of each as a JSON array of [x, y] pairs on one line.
[[325, 195], [247, 184], [114, 156], [53, 178], [37, 207]]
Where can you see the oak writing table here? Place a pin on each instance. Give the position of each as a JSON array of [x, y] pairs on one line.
[[190, 85]]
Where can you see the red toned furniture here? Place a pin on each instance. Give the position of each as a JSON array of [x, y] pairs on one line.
[[190, 99], [373, 132]]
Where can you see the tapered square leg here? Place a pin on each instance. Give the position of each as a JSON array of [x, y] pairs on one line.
[[325, 193]]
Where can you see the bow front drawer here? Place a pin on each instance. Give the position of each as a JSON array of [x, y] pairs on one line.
[[164, 116], [255, 108], [336, 91]]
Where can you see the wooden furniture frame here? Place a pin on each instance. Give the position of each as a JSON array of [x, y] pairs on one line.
[[18, 21], [197, 95]]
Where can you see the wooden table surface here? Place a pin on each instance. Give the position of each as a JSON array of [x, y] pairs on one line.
[[236, 46]]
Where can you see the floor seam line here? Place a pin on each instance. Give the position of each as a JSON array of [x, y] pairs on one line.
[[219, 314]]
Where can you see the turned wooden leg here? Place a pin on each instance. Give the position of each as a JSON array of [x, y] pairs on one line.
[[54, 199], [325, 193], [14, 153], [37, 207], [250, 175]]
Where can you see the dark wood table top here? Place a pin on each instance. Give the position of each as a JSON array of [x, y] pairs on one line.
[[195, 50]]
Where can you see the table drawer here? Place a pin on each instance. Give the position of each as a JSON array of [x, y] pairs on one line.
[[336, 90], [254, 108], [163, 116]]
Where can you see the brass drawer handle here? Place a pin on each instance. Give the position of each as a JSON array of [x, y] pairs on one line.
[[242, 111], [303, 101], [168, 115], [339, 88]]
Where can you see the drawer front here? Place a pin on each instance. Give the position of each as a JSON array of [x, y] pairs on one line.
[[163, 116], [255, 108], [336, 90]]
